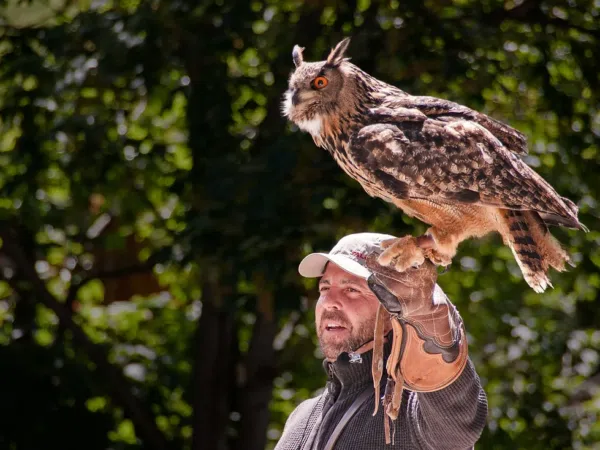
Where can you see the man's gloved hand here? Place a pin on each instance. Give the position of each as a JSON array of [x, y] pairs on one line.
[[430, 347], [435, 337]]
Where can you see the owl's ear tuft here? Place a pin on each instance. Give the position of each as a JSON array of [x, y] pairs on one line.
[[336, 57], [297, 55]]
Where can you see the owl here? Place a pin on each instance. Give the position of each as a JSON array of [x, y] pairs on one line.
[[453, 168]]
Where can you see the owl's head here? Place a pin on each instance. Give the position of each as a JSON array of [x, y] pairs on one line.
[[317, 88]]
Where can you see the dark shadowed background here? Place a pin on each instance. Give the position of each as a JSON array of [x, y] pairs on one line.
[[154, 206]]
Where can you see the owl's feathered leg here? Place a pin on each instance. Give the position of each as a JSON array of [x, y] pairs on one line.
[[408, 251], [402, 253], [443, 248]]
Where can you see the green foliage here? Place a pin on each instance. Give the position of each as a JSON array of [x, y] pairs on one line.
[[144, 138]]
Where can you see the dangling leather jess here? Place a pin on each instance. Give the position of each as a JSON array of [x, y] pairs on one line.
[[429, 346], [394, 387]]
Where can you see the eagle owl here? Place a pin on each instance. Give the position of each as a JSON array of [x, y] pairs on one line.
[[449, 166]]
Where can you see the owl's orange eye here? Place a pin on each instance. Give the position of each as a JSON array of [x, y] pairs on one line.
[[320, 82]]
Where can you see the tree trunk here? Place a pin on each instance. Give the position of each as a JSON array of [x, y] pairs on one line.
[[255, 394], [213, 374]]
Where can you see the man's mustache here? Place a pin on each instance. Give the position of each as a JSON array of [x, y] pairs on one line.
[[334, 316]]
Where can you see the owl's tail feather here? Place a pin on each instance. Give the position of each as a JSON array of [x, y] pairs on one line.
[[534, 248]]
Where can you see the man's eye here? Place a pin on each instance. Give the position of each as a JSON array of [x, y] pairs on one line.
[[352, 290], [323, 288]]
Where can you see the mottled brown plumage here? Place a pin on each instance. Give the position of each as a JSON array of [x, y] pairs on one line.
[[451, 167]]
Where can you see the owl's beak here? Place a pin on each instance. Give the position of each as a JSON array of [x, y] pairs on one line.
[[295, 97]]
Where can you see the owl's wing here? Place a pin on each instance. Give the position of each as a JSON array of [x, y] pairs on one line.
[[456, 161], [437, 108]]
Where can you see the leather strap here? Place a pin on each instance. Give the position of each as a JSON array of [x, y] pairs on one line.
[[358, 402]]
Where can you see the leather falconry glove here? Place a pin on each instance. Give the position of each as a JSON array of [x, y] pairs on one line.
[[429, 347]]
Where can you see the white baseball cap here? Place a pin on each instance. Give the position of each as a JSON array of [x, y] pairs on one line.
[[350, 253]]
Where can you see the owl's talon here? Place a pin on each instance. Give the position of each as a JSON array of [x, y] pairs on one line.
[[445, 269], [409, 252], [438, 258], [426, 241]]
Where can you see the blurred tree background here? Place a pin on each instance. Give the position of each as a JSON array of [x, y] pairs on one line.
[[154, 206]]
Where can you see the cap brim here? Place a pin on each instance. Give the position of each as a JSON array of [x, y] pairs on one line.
[[313, 265]]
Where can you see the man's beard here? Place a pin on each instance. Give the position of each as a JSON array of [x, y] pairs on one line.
[[359, 335]]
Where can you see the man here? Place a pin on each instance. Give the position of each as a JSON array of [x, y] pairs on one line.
[[351, 288]]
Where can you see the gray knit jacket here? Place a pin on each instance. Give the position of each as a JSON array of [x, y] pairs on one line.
[[449, 419]]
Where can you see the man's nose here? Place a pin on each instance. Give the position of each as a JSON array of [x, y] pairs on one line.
[[331, 300]]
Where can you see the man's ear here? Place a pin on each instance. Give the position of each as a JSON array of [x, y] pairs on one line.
[[336, 57]]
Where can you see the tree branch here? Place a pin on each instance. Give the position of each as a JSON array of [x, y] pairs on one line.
[[108, 274]]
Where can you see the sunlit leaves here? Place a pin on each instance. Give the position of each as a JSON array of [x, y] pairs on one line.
[[10, 133], [124, 432], [96, 403], [92, 293]]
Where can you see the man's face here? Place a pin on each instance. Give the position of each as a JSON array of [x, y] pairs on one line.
[[345, 312]]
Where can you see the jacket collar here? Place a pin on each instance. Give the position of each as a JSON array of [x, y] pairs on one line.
[[352, 373]]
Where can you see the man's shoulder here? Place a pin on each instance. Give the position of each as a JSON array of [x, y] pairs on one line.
[[305, 408], [300, 422]]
